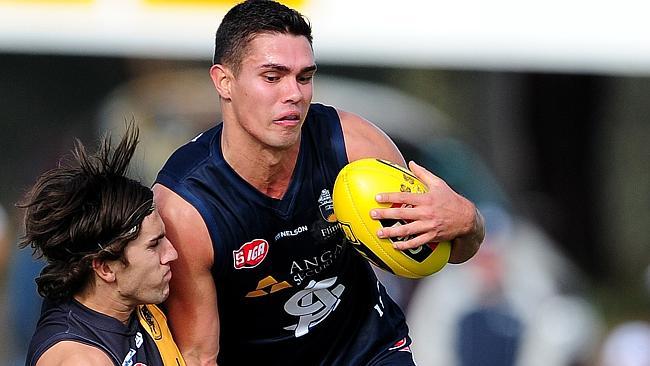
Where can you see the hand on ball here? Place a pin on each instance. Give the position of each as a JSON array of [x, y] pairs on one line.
[[438, 215]]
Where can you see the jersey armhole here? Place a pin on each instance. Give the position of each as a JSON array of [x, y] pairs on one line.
[[337, 140], [57, 338]]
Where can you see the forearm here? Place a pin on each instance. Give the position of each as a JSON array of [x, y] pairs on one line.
[[196, 325], [466, 245], [196, 359]]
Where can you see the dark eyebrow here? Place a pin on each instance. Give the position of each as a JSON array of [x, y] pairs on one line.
[[283, 68], [309, 68], [158, 237]]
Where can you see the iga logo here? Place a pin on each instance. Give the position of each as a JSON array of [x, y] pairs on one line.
[[250, 254]]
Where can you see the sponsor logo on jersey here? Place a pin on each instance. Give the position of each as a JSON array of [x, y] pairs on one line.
[[313, 304], [151, 322], [304, 268], [325, 227], [250, 254], [326, 206], [128, 360], [288, 233], [138, 340], [327, 231], [268, 285]]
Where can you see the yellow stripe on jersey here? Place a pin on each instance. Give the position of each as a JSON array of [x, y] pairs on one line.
[[155, 323]]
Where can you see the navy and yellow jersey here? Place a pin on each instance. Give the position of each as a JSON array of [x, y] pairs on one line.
[[290, 289], [144, 340]]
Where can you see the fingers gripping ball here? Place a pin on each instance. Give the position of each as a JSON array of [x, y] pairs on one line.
[[354, 194]]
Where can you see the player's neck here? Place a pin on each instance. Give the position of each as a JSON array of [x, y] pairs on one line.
[[268, 170], [106, 305]]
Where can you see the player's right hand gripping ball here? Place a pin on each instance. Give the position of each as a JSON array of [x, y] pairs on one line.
[[354, 194]]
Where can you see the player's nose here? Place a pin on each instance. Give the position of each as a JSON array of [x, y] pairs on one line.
[[170, 254], [292, 91]]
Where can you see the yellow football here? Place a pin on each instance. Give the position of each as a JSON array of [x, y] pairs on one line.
[[355, 189]]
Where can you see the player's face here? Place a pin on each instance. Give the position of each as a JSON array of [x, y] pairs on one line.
[[145, 280], [272, 92]]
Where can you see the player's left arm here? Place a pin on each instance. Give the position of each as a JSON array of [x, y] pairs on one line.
[[441, 214]]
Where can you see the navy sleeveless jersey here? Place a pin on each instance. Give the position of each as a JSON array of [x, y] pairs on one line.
[[290, 289], [125, 344]]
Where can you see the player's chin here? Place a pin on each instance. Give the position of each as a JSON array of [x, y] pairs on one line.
[[163, 291], [285, 141], [162, 295]]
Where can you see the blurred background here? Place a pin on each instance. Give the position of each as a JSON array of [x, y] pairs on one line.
[[539, 111]]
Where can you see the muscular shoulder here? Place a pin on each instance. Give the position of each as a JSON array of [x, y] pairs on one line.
[[184, 226], [74, 353], [172, 206], [363, 139], [188, 157]]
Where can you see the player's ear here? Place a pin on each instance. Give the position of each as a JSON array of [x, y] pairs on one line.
[[222, 77], [104, 270]]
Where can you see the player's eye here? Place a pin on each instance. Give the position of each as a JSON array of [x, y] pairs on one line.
[[271, 78], [305, 79]]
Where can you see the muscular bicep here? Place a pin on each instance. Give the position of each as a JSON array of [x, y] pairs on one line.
[[365, 140], [69, 353], [192, 302]]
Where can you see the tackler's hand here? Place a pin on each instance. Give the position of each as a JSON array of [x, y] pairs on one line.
[[437, 215]]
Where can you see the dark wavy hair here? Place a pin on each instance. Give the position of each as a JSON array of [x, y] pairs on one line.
[[83, 209], [250, 18]]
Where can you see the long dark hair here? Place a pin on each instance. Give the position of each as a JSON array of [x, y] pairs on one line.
[[83, 209], [248, 19]]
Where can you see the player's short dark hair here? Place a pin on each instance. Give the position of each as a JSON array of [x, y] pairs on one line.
[[83, 209], [250, 18]]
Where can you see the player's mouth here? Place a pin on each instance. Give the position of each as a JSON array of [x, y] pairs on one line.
[[288, 119]]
